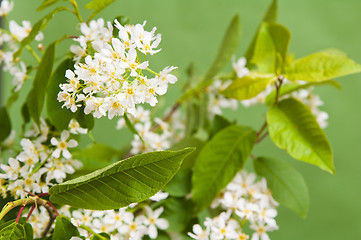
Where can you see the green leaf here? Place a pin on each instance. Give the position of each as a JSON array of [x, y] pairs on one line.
[[190, 141], [286, 184], [13, 97], [321, 66], [16, 231], [178, 212], [95, 156], [219, 123], [180, 185], [218, 162], [46, 4], [5, 124], [98, 6], [270, 16], [131, 127], [64, 229], [227, 49], [84, 120], [39, 26], [100, 236], [292, 87], [25, 114], [249, 86], [271, 46], [58, 116], [131, 180], [36, 96], [293, 127]]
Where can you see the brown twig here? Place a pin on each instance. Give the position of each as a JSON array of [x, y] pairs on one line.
[[262, 137], [51, 219], [167, 117]]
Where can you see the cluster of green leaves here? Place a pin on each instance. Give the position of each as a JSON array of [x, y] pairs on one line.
[[225, 146], [211, 153]]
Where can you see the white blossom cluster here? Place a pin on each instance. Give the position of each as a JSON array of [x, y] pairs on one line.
[[216, 100], [161, 139], [39, 219], [39, 164], [122, 223], [245, 202], [11, 39], [112, 80]]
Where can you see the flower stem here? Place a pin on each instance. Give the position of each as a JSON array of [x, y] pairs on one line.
[[19, 213], [76, 10], [33, 53], [151, 71]]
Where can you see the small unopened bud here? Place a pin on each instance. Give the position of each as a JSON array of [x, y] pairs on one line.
[[40, 46]]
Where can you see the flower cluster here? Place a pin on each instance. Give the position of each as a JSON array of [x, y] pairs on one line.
[[243, 201], [15, 67], [121, 223], [113, 79], [216, 100], [167, 133], [39, 165]]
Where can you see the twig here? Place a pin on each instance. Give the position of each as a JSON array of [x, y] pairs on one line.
[[262, 128], [262, 137], [51, 219], [31, 211], [19, 213], [278, 85], [166, 117]]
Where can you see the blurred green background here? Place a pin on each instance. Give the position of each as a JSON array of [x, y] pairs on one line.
[[191, 33]]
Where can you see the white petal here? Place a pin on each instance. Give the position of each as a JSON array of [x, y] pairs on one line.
[[56, 153], [66, 154], [162, 223], [72, 143], [64, 135], [152, 232]]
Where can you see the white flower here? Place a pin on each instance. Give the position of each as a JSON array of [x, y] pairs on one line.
[[11, 170], [261, 231], [62, 145], [19, 76], [6, 7], [57, 169], [152, 221], [267, 214], [165, 77], [19, 32], [82, 217], [199, 233], [116, 217], [75, 128], [133, 227], [239, 66], [159, 196], [115, 106], [132, 64], [223, 226]]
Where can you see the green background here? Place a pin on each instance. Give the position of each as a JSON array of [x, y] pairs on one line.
[[191, 33]]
